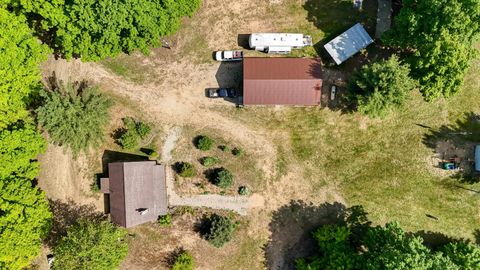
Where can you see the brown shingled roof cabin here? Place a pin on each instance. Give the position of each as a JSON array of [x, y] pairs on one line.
[[282, 81], [137, 192]]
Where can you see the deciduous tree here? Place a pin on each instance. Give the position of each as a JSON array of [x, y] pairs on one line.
[[21, 55], [24, 220], [439, 35], [91, 245], [381, 87]]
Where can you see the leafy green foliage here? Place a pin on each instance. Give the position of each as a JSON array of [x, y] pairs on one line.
[[225, 148], [19, 145], [386, 247], [223, 178], [187, 170], [24, 213], [204, 143], [244, 191], [381, 87], [219, 230], [135, 131], [183, 261], [465, 255], [209, 161], [439, 34], [95, 29], [91, 245], [19, 72], [74, 117], [165, 220], [24, 220], [238, 152]]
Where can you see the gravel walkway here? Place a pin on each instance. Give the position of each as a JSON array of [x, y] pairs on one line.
[[239, 204], [384, 17]]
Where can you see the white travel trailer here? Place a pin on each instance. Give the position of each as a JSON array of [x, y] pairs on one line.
[[278, 42]]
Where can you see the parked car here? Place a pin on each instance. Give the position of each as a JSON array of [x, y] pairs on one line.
[[221, 93], [226, 56], [333, 92]]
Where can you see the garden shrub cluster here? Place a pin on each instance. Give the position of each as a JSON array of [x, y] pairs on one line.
[[134, 132]]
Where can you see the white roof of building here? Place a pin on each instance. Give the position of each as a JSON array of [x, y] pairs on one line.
[[276, 39], [349, 43]]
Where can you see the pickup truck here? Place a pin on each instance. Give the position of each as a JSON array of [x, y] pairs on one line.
[[225, 56], [221, 93]]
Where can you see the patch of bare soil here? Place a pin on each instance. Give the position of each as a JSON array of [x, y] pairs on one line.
[[64, 178]]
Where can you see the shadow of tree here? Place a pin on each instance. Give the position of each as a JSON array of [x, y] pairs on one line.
[[293, 224], [66, 214], [464, 130], [435, 240], [448, 140]]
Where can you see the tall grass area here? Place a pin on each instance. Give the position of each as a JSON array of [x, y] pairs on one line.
[[383, 165]]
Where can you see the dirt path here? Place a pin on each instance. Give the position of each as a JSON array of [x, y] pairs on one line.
[[233, 203]]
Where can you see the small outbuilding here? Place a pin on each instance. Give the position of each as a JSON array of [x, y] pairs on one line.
[[137, 192], [349, 43], [282, 81]]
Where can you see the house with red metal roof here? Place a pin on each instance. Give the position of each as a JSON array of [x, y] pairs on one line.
[[282, 81]]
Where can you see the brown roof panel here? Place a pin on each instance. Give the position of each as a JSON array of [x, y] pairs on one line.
[[282, 81], [281, 68], [282, 92], [135, 187]]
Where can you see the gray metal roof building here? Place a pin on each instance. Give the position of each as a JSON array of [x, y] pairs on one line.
[[137, 192], [349, 43]]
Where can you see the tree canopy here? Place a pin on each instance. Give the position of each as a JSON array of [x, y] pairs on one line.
[[24, 220], [381, 87], [356, 245], [21, 55], [91, 245], [74, 115], [24, 213], [19, 146], [439, 36], [95, 29]]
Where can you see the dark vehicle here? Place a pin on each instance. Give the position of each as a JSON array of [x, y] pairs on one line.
[[221, 93]]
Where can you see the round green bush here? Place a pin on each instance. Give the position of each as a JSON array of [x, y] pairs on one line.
[[204, 143], [187, 170], [183, 261], [209, 161], [237, 151], [165, 220], [223, 178], [225, 148], [219, 230], [244, 191]]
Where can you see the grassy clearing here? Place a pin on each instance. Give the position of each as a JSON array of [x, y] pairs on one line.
[[128, 66]]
